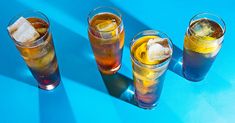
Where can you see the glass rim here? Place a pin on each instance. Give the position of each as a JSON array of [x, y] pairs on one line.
[[101, 7], [223, 26], [22, 14], [155, 65]]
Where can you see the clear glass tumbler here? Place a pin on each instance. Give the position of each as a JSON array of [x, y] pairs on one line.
[[106, 34], [151, 52], [32, 36]]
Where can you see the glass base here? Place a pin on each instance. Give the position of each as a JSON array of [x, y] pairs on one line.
[[110, 72], [145, 106], [152, 107], [193, 79], [49, 87]]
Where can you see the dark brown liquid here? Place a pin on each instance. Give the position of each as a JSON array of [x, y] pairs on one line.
[[199, 55], [107, 51], [41, 59]]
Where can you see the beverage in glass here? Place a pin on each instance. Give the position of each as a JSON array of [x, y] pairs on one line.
[[32, 36], [151, 53], [202, 43], [106, 34]]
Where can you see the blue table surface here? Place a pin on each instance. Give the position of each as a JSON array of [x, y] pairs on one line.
[[86, 96]]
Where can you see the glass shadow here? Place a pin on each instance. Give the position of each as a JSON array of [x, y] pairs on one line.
[[12, 64], [54, 106], [120, 87], [176, 61], [74, 62]]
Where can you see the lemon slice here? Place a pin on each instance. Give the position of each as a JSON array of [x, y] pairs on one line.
[[107, 25], [107, 29], [202, 45], [149, 83], [140, 53]]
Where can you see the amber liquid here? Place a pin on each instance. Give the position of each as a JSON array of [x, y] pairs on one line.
[[200, 52], [108, 50], [148, 81], [41, 58]]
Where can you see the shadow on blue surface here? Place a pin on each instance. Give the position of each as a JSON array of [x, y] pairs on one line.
[[75, 58], [75, 52], [54, 106], [131, 24], [176, 61], [79, 65], [11, 63], [78, 60], [120, 86]]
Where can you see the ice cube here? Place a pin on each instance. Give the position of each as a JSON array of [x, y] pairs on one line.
[[202, 28], [156, 51], [156, 40], [107, 29], [17, 24], [23, 31]]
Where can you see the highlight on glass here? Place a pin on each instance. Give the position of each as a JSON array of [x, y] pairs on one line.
[[31, 34], [151, 52], [106, 34], [202, 43]]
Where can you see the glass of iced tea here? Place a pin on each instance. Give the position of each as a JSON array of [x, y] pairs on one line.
[[106, 34], [31, 34], [202, 43], [151, 52]]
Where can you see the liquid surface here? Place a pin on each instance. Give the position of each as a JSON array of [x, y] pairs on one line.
[[102, 20], [204, 36], [139, 50]]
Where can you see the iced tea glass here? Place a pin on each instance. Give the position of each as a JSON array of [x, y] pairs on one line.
[[39, 53], [151, 52], [202, 43], [106, 34]]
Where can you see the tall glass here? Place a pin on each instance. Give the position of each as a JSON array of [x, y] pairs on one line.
[[39, 53], [151, 53], [106, 34], [202, 43]]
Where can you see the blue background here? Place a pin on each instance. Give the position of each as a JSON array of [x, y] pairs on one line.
[[86, 96]]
